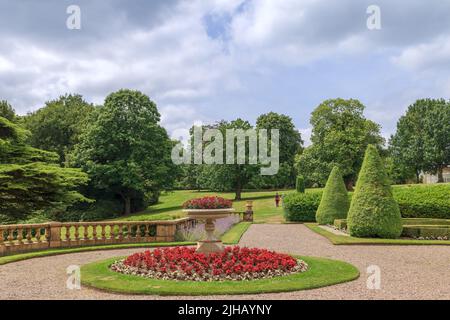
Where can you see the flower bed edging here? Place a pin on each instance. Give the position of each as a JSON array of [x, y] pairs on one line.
[[321, 272], [234, 264]]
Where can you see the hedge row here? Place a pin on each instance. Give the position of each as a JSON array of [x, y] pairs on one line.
[[415, 201]]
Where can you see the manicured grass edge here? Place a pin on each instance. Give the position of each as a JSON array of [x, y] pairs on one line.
[[53, 252], [322, 272], [235, 233], [348, 240]]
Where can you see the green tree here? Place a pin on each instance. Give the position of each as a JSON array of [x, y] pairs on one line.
[[373, 210], [334, 203], [422, 139], [31, 179], [228, 177], [7, 111], [300, 184], [125, 151], [290, 144], [58, 125], [340, 134]]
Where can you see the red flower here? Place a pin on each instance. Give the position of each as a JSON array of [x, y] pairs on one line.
[[209, 202]]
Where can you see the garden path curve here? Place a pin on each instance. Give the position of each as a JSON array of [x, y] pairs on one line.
[[407, 272]]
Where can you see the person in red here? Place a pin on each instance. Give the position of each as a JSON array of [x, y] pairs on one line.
[[277, 199]]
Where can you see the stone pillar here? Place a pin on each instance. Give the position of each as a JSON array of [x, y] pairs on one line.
[[55, 234], [248, 214]]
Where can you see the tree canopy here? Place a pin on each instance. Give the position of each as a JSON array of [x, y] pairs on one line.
[[58, 125], [30, 179], [124, 150], [422, 139], [340, 135], [7, 111]]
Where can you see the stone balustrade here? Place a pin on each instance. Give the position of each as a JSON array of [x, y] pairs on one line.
[[19, 238], [30, 237]]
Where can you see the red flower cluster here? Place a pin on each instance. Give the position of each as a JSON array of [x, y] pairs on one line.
[[234, 263], [208, 203]]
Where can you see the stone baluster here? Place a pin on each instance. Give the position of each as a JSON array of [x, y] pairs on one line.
[[67, 233], [94, 231], [2, 236], [138, 231], [112, 234], [28, 237], [37, 234], [103, 231], [86, 232], [77, 233], [20, 235], [10, 234], [120, 235]]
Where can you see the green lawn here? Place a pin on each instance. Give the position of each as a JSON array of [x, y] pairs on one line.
[[169, 205], [322, 272]]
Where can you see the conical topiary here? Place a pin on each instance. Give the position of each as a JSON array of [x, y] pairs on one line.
[[373, 210], [334, 203]]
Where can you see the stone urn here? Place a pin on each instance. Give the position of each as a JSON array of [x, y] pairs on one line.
[[211, 243]]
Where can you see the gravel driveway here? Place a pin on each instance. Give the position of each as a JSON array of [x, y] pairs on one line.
[[407, 272]]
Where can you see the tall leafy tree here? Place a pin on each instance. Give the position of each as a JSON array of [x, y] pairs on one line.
[[422, 139], [125, 151], [340, 135], [7, 111], [229, 177], [290, 144], [58, 125], [31, 179]]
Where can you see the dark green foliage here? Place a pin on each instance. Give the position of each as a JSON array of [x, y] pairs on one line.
[[125, 151], [7, 111], [30, 180], [422, 140], [373, 210], [301, 206], [300, 184], [57, 126], [340, 135], [334, 203], [424, 201]]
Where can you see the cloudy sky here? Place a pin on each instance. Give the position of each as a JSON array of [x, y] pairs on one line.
[[208, 60]]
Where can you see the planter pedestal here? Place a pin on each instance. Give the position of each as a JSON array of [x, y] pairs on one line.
[[210, 244]]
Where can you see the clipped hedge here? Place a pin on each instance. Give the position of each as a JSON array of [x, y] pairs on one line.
[[424, 201], [416, 201], [301, 207]]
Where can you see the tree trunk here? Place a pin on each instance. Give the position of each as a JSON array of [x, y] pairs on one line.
[[417, 176], [349, 184], [127, 205], [439, 174], [238, 191]]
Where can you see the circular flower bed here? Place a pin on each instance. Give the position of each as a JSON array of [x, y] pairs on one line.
[[234, 263], [208, 203]]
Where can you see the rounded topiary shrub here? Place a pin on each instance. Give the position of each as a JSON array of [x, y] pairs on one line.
[[301, 206], [334, 203], [373, 210], [300, 184]]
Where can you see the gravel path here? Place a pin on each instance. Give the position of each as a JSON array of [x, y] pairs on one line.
[[407, 272]]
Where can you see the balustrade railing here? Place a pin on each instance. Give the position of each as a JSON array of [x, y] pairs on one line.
[[30, 237]]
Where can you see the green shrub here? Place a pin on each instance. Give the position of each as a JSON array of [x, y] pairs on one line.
[[424, 201], [300, 184], [425, 221], [373, 210], [334, 203], [301, 206]]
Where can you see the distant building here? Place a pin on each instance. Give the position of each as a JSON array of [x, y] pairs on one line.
[[433, 178]]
